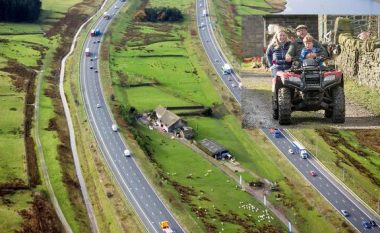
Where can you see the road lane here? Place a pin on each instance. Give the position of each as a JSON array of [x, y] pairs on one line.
[[136, 188]]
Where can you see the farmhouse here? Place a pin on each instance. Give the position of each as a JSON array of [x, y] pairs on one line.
[[168, 120], [214, 149]]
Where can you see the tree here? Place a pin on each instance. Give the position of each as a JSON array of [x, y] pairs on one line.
[[159, 14], [20, 10]]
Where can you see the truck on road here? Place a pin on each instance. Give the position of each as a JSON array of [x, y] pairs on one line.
[[226, 68], [301, 149], [95, 32], [165, 227], [87, 52]]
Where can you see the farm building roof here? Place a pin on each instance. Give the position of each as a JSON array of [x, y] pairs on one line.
[[167, 117], [212, 146]]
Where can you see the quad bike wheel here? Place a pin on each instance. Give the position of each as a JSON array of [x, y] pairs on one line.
[[339, 108], [284, 106], [274, 109]]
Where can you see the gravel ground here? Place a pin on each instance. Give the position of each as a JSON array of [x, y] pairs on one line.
[[257, 112]]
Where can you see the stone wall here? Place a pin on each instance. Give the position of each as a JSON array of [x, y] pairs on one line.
[[254, 29], [359, 22], [360, 60]]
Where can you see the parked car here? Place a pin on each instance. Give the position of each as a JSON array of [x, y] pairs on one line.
[[290, 151], [366, 225], [233, 85], [345, 213], [313, 173]]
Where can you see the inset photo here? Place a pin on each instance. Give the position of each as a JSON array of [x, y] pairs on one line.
[[311, 71], [353, 7]]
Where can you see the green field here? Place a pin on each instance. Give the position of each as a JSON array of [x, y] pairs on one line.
[[210, 188], [25, 44], [12, 107], [10, 218], [179, 81]]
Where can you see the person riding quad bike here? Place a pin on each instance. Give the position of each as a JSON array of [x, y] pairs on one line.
[[308, 86]]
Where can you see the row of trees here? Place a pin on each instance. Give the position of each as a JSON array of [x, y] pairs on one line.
[[159, 14], [20, 10]]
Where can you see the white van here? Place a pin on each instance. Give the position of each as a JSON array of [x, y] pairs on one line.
[[114, 127], [127, 153]]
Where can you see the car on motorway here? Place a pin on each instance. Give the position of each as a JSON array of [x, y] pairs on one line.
[[98, 105], [114, 127], [313, 173], [373, 223], [127, 153], [366, 225], [345, 213], [290, 151], [227, 69], [91, 67]]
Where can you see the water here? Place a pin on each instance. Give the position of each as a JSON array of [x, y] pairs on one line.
[[331, 7]]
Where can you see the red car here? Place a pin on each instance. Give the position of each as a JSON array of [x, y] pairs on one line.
[[313, 173]]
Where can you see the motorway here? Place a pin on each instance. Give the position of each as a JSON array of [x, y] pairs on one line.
[[134, 185], [332, 190]]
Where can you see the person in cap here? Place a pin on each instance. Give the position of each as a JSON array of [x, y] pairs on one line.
[[295, 48]]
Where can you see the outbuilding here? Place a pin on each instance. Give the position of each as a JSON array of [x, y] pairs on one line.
[[214, 149]]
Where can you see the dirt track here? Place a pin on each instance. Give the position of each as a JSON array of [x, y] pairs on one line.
[[257, 112]]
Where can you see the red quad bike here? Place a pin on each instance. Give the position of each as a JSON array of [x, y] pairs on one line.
[[308, 88]]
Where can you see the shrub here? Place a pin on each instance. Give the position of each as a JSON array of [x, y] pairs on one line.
[[159, 14]]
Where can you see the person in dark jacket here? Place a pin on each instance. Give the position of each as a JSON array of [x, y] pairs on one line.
[[276, 53], [295, 48], [309, 51]]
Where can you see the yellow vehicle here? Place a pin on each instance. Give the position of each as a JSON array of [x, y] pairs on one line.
[[165, 227]]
